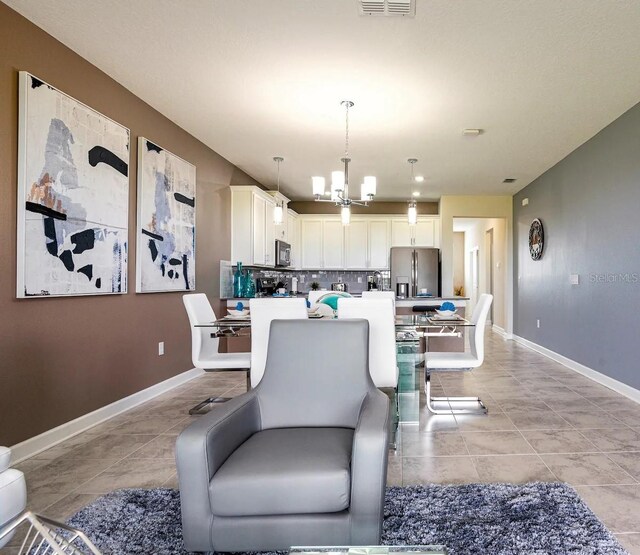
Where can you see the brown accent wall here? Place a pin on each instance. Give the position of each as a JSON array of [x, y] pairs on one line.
[[61, 358], [376, 207]]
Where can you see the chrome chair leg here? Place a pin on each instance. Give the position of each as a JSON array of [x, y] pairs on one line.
[[215, 400], [481, 410]]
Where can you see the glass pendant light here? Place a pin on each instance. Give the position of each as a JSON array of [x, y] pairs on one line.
[[278, 211], [412, 213], [345, 215]]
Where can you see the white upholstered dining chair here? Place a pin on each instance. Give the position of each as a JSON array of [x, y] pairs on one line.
[[383, 364], [263, 311], [313, 296], [460, 362], [204, 348], [375, 294]]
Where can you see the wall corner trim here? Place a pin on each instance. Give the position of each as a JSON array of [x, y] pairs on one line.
[[602, 379], [50, 438]]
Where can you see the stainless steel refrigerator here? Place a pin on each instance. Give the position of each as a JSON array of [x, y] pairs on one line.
[[419, 267]]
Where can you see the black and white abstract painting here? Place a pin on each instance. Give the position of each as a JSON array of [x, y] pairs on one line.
[[73, 196], [165, 255]]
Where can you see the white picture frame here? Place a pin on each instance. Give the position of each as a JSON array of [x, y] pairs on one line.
[[166, 221], [73, 196]]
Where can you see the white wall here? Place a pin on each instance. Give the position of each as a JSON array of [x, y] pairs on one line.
[[477, 207]]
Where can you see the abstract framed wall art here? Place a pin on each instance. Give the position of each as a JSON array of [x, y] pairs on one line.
[[73, 196], [165, 254]]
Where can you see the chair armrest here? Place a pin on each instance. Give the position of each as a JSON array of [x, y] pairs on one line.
[[369, 468], [5, 458], [200, 451]]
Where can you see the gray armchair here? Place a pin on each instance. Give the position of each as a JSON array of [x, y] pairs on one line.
[[299, 460]]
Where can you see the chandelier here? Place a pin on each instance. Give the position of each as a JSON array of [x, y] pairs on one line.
[[340, 181]]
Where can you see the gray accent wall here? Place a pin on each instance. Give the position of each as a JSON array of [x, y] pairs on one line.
[[589, 204]]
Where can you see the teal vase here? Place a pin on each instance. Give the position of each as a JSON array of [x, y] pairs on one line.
[[249, 285], [238, 282]]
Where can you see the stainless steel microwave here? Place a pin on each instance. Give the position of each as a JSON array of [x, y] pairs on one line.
[[283, 253]]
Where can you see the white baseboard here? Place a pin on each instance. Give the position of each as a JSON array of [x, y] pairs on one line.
[[501, 332], [48, 439], [602, 379]]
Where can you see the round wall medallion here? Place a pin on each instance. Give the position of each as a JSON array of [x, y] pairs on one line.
[[536, 239]]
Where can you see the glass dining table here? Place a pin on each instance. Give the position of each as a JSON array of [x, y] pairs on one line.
[[409, 327], [411, 332]]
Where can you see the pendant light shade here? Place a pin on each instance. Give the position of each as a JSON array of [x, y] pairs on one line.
[[278, 214], [412, 213], [318, 185], [345, 215]]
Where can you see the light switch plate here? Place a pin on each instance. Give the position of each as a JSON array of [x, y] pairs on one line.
[[525, 201], [574, 279]]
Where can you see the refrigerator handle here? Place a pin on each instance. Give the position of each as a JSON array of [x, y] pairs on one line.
[[414, 273]]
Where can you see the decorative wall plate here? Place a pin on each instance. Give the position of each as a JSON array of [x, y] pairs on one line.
[[536, 239]]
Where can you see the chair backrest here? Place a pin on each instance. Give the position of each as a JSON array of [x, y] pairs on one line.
[[199, 311], [479, 319], [380, 295], [316, 374], [382, 336], [313, 296], [262, 312]]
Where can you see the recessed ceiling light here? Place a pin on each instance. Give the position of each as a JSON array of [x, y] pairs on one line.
[[419, 178], [416, 193], [471, 132], [509, 180]]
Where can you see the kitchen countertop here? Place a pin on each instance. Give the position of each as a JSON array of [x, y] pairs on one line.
[[409, 301]]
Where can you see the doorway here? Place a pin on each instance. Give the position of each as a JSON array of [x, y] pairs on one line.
[[485, 254]]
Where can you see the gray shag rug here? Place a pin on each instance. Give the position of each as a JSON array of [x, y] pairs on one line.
[[536, 518]]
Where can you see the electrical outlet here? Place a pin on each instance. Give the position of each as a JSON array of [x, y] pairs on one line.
[[574, 279], [161, 348], [359, 279], [525, 201], [537, 323]]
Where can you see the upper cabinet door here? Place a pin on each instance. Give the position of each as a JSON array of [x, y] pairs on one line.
[[401, 235], [259, 221], [379, 244], [293, 238], [311, 244], [356, 238], [269, 235], [427, 232], [333, 245]]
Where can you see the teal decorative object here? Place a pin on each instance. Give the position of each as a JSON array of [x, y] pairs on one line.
[[249, 285], [239, 306], [331, 299], [448, 305], [238, 282]]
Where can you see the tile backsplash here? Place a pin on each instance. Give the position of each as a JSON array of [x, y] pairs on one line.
[[356, 280]]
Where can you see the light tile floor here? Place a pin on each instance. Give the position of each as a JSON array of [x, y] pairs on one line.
[[545, 423]]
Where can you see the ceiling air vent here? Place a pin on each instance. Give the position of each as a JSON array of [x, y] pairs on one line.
[[509, 180], [388, 8]]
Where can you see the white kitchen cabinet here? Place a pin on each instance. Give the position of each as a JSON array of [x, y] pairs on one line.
[[333, 244], [252, 228], [311, 243], [378, 244], [293, 237], [401, 235], [356, 248], [426, 232]]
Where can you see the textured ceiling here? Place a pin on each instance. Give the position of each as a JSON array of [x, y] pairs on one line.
[[258, 78]]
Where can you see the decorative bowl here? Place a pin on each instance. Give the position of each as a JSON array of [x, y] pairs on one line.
[[445, 312], [243, 312]]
